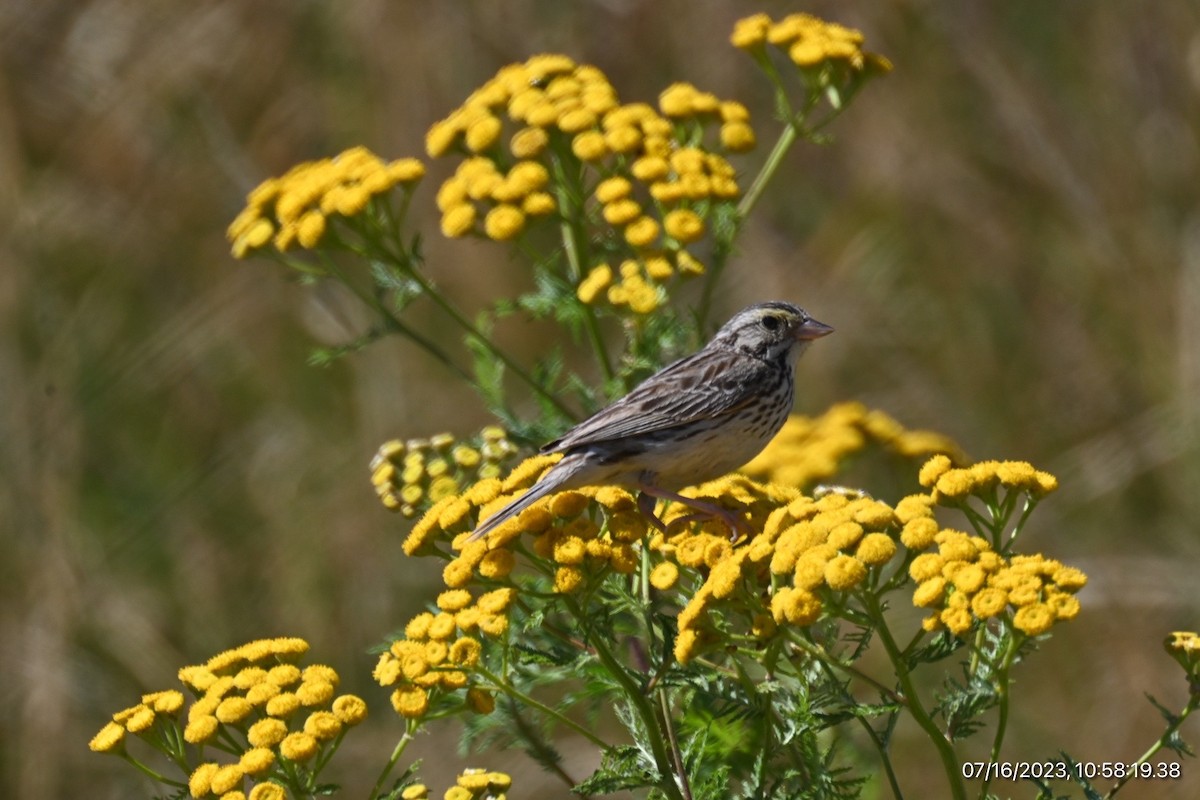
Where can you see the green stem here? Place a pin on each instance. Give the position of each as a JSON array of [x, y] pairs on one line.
[[517, 694], [633, 692], [676, 753], [573, 245], [888, 770], [912, 702], [787, 138], [452, 311], [393, 322], [410, 729], [1192, 704], [822, 655], [1002, 718], [151, 773]]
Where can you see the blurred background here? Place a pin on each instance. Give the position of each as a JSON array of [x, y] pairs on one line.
[[1005, 233]]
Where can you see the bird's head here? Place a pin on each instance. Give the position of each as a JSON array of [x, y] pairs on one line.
[[770, 331]]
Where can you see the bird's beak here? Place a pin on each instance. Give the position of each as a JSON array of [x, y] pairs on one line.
[[811, 329]]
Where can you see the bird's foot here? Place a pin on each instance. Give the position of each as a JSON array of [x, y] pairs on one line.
[[703, 510]]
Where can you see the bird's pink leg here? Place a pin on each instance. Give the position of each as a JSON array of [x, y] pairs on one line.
[[736, 523]]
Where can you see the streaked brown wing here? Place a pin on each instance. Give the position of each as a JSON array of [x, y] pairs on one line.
[[704, 385]]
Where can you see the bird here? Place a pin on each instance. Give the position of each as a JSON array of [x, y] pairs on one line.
[[694, 420]]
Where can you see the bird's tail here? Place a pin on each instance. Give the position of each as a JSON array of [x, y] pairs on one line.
[[551, 482]]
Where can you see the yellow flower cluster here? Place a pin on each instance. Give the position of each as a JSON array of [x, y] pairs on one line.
[[472, 784], [255, 690], [808, 546], [809, 450], [137, 719], [950, 486], [509, 197], [808, 41], [297, 207], [650, 187], [965, 580], [410, 476], [439, 649]]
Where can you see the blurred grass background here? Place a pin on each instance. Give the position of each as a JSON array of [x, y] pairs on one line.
[[1005, 233]]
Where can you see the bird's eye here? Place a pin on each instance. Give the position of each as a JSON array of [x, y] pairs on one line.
[[771, 322]]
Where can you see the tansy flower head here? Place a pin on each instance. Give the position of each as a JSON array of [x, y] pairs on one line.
[[298, 207]]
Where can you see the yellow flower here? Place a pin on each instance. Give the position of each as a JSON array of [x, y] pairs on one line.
[[434, 652], [465, 652], [677, 99], [483, 133], [504, 222], [257, 760], [683, 225], [200, 729], [926, 566], [315, 692], [569, 551], [233, 710], [664, 576], [599, 279], [589, 146], [1065, 606], [957, 620], [282, 705], [452, 600], [322, 725], [567, 580], [458, 221], [875, 549], [577, 120], [642, 232], [648, 169], [796, 606], [109, 739], [268, 791], [737, 137], [497, 564], [930, 592], [439, 139], [140, 720], [406, 170], [989, 602], [442, 627], [969, 579], [612, 189], [688, 266], [750, 32], [539, 204], [1034, 619], [410, 701], [685, 645], [1069, 579], [933, 469], [528, 142], [298, 746], [621, 211], [267, 732], [625, 139], [349, 709], [418, 791], [496, 601], [200, 781], [844, 572], [493, 624]]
